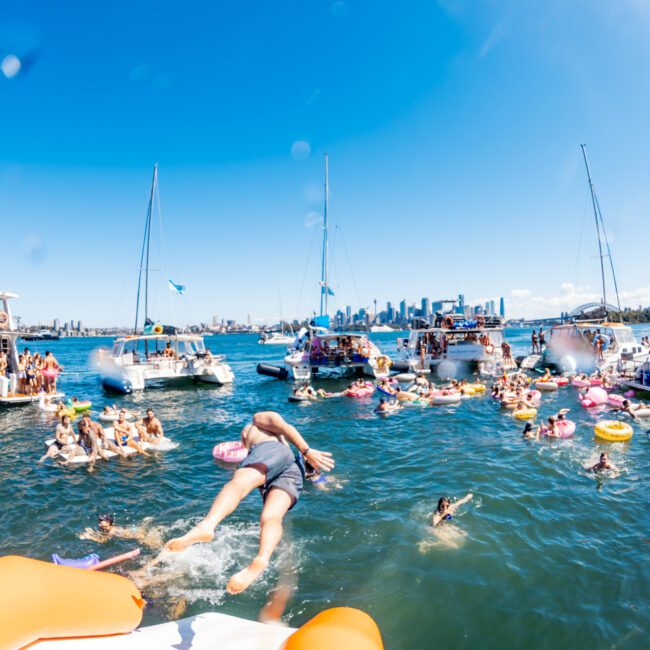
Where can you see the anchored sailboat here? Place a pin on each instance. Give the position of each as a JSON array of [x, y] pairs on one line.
[[157, 352], [320, 352], [591, 341]]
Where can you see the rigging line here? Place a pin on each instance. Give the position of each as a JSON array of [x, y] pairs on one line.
[[580, 238], [611, 259], [147, 224], [347, 255], [304, 277]]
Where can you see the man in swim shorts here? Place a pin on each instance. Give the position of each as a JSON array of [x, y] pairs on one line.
[[149, 427], [273, 468], [64, 442]]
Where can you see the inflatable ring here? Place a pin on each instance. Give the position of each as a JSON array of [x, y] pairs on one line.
[[230, 452], [525, 414], [613, 431], [480, 321], [448, 322], [158, 329], [4, 319], [489, 348]]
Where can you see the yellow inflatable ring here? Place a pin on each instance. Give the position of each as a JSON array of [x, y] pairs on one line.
[[157, 329], [613, 431], [525, 414], [478, 388]]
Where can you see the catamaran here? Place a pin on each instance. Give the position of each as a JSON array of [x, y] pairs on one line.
[[592, 342], [319, 352], [158, 353], [468, 344]]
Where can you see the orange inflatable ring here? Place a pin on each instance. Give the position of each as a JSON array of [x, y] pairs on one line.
[[339, 627], [448, 322], [39, 600]]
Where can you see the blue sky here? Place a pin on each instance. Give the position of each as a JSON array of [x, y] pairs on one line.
[[453, 130]]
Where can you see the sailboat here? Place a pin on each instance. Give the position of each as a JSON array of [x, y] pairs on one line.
[[592, 342], [157, 353], [317, 350]]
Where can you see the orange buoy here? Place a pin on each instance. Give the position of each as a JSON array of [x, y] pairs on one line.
[[339, 627], [39, 600]]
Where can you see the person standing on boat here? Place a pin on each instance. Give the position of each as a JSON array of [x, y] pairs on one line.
[[273, 468], [533, 340], [3, 364], [50, 372], [542, 340]]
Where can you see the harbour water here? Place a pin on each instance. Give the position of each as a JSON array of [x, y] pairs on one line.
[[545, 555]]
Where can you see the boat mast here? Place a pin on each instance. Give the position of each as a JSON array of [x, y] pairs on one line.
[[600, 243], [144, 255], [324, 291]]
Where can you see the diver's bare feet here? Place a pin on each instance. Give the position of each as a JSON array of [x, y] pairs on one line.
[[242, 580], [197, 535]]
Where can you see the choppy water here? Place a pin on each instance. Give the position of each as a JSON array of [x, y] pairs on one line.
[[544, 556]]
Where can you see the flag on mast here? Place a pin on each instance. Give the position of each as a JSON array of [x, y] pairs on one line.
[[178, 288]]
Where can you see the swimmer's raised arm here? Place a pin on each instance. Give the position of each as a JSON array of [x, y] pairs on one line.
[[275, 423], [454, 506]]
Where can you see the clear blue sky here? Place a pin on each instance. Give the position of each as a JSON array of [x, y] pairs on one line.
[[453, 130]]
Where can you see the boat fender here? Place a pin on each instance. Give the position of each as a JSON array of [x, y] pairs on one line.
[[272, 371], [117, 385]]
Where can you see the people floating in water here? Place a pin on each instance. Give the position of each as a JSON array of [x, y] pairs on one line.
[[446, 510], [106, 530], [602, 464]]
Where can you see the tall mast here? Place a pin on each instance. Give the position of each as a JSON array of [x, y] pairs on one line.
[[600, 243], [324, 291], [144, 255]]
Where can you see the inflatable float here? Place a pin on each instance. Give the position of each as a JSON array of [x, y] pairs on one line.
[[405, 377], [441, 400], [561, 381], [546, 385], [566, 428], [595, 396], [581, 383], [232, 451], [35, 608], [113, 417], [613, 431], [642, 413], [616, 400], [525, 414], [360, 391], [80, 406], [299, 398]]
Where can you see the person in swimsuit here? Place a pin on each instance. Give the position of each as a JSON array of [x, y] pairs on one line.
[[149, 428], [3, 364], [446, 509], [64, 442], [106, 530], [533, 340], [94, 432], [530, 432], [50, 372], [273, 468], [123, 434], [602, 464]]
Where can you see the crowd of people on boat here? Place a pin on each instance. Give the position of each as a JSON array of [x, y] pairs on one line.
[[34, 373]]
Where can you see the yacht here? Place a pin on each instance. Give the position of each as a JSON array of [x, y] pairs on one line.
[[592, 342], [319, 352], [157, 353], [276, 338], [9, 335], [475, 344]]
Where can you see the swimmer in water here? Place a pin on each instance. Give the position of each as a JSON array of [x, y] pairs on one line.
[[446, 509], [388, 406], [106, 529], [530, 432], [602, 464]]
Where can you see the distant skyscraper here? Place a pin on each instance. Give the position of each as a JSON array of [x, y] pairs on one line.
[[348, 314], [402, 310], [486, 311], [80, 326], [426, 308], [215, 320], [56, 324], [502, 307], [492, 309], [436, 307]]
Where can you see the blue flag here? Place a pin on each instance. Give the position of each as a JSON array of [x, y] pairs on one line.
[[178, 288]]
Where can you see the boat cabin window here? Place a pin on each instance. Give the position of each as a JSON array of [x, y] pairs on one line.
[[622, 335]]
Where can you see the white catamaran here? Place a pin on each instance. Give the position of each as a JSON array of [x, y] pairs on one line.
[[317, 351], [158, 352], [591, 341]]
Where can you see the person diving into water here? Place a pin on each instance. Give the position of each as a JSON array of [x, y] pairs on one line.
[[273, 468]]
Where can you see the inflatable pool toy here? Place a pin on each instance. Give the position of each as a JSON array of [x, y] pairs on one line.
[[298, 398], [384, 391], [546, 385], [441, 400], [613, 431], [642, 413], [616, 400], [595, 396], [534, 396], [50, 373], [81, 563], [360, 391], [525, 414], [479, 388], [404, 377], [596, 381], [230, 452], [629, 393], [561, 381], [36, 597], [343, 628], [113, 417], [566, 428], [81, 406], [581, 383]]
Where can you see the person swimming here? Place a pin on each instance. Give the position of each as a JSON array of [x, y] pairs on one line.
[[602, 464], [388, 406], [446, 509], [530, 432], [106, 530]]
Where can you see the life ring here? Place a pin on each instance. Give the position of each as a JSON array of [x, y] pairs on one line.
[[4, 319], [613, 431], [604, 338], [448, 322], [525, 413], [489, 348], [158, 329], [480, 322]]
